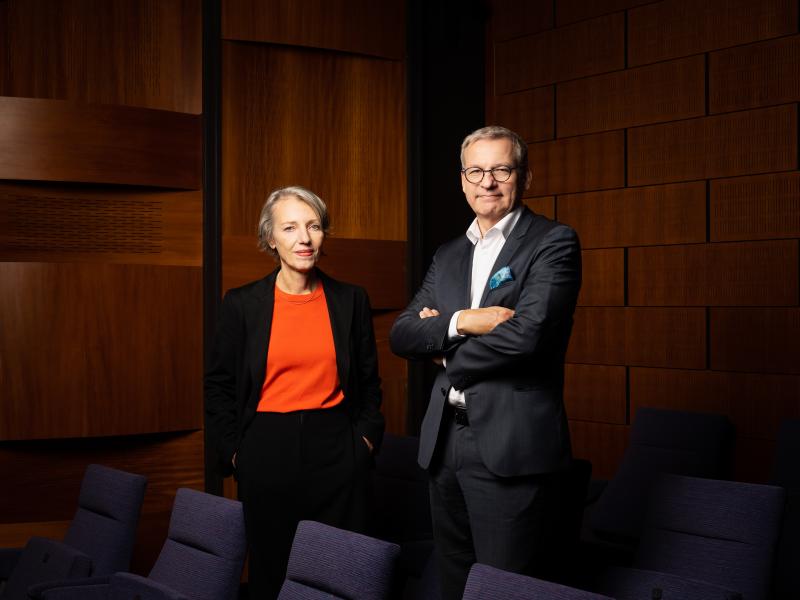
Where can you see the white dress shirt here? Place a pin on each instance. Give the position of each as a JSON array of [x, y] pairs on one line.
[[487, 249]]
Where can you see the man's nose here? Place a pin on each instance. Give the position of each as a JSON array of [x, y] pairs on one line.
[[488, 180]]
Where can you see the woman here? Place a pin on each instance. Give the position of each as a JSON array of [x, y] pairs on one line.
[[292, 390]]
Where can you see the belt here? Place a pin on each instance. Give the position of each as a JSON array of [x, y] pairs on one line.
[[460, 415]]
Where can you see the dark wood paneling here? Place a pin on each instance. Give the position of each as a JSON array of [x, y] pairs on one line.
[[590, 162], [544, 205], [654, 337], [111, 225], [394, 375], [601, 443], [359, 26], [579, 50], [378, 266], [595, 393], [732, 274], [756, 75], [756, 403], [752, 459], [667, 214], [145, 53], [330, 122], [761, 340], [742, 143], [663, 92], [54, 140], [570, 11], [751, 208], [516, 18], [93, 350], [680, 27], [603, 278], [529, 113]]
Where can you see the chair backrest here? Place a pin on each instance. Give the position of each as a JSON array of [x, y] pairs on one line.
[[722, 532], [661, 441], [104, 525], [488, 583], [333, 563], [786, 473], [204, 553], [44, 560]]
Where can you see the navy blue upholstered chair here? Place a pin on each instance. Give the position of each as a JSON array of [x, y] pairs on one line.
[[327, 562], [489, 583], [786, 473], [44, 560], [717, 533]]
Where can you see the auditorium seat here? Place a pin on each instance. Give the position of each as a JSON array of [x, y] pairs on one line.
[[488, 583]]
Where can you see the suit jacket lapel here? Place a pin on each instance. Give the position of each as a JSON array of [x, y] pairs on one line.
[[509, 248]]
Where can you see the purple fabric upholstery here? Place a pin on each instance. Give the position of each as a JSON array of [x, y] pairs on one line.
[[636, 584], [43, 560], [488, 583], [338, 563]]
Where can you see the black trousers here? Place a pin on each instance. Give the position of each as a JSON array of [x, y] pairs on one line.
[[505, 522], [295, 466]]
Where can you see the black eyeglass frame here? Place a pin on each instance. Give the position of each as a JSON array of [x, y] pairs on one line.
[[502, 169]]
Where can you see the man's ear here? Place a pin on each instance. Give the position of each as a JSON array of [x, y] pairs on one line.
[[528, 179]]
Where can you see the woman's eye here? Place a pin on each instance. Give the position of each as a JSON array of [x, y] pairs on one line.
[[315, 227]]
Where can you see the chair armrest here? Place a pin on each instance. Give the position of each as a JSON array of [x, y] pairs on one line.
[[62, 588], [8, 560], [129, 585], [632, 584]]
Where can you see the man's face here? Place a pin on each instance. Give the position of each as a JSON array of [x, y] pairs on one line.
[[491, 200]]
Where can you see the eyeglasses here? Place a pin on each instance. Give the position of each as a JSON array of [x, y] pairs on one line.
[[499, 174]]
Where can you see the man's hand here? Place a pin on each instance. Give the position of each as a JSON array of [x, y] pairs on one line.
[[479, 321], [426, 313]]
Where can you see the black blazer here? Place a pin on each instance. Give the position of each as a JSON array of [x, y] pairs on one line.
[[513, 376], [238, 359]]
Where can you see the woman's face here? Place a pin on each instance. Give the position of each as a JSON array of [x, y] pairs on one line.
[[296, 234]]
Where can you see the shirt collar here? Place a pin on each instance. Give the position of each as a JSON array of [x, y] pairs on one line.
[[503, 226]]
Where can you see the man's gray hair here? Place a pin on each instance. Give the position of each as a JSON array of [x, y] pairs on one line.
[[519, 149], [266, 223]]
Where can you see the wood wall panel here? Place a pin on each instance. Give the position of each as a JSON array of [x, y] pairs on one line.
[[98, 350], [394, 375], [145, 53], [761, 340], [595, 393], [732, 274], [756, 403], [317, 119], [601, 443], [739, 143], [586, 48], [363, 262], [530, 113], [603, 278], [545, 205], [750, 457], [111, 225], [516, 18], [756, 75], [656, 93], [358, 26], [590, 162], [666, 214], [570, 11], [676, 28], [653, 337], [753, 208], [54, 140]]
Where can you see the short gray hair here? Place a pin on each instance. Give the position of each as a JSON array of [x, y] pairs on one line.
[[519, 149], [265, 221]]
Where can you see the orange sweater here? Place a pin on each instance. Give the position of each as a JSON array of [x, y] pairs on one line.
[[301, 358]]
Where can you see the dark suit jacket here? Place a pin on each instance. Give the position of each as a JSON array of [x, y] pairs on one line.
[[238, 360], [513, 376]]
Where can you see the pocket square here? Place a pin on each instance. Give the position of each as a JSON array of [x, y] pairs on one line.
[[501, 277]]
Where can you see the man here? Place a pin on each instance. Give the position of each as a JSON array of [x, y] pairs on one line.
[[495, 311]]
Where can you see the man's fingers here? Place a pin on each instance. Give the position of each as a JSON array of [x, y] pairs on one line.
[[428, 312]]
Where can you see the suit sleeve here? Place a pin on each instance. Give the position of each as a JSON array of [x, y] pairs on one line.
[[370, 422], [545, 307]]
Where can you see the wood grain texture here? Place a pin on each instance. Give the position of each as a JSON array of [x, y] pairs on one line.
[[145, 53], [753, 208], [756, 75], [330, 122], [730, 274], [589, 162], [55, 140], [394, 375], [595, 393], [108, 225], [757, 340], [530, 113], [756, 403], [378, 266], [570, 11], [653, 337], [653, 94], [603, 278], [586, 48], [752, 458], [99, 350], [544, 205], [741, 143], [516, 18], [357, 26], [676, 28], [665, 214], [601, 443]]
